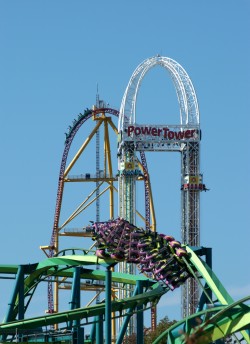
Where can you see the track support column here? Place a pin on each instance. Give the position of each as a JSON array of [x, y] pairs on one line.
[[99, 329], [18, 291], [78, 334], [108, 306], [139, 319], [126, 320]]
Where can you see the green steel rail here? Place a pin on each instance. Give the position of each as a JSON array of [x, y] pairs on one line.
[[86, 312], [217, 322], [51, 265], [60, 266], [209, 276], [210, 324], [229, 318]]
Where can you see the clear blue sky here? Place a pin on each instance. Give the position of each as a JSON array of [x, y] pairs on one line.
[[53, 54]]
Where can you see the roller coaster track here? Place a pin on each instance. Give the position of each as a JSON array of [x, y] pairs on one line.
[[82, 118], [210, 325], [69, 138], [77, 123], [62, 266], [215, 322], [147, 189]]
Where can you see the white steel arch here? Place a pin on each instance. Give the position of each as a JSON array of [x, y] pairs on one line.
[[189, 109]]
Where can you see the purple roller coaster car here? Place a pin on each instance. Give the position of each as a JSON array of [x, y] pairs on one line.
[[157, 255]]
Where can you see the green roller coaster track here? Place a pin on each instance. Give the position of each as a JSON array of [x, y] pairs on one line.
[[223, 318], [52, 266], [211, 324]]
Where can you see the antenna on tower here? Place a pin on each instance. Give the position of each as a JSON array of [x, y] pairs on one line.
[[99, 103], [97, 96]]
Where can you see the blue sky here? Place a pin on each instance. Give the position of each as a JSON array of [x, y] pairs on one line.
[[53, 54]]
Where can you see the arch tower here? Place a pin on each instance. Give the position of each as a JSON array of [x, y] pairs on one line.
[[183, 138]]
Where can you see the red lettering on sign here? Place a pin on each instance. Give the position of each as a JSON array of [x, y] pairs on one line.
[[137, 130], [165, 130], [180, 135], [130, 129], [171, 135], [154, 132], [145, 130]]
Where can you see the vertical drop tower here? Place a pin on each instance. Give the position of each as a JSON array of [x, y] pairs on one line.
[[184, 138]]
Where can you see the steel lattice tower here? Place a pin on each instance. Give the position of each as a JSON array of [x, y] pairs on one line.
[[190, 205], [191, 179]]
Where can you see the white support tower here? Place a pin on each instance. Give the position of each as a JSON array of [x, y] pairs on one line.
[[183, 138]]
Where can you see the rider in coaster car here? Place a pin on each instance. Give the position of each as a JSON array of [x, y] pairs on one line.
[[117, 256], [101, 253]]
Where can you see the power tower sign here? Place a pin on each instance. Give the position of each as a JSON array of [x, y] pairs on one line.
[[160, 137]]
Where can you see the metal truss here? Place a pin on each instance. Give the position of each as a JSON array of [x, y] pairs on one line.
[[189, 110], [190, 218], [190, 171]]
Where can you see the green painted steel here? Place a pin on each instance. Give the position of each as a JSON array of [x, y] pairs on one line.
[[210, 324], [53, 265], [62, 266], [213, 282], [210, 278], [91, 311], [139, 320], [108, 287], [126, 321], [229, 318], [217, 322]]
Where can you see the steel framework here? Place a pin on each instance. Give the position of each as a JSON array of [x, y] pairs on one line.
[[191, 179], [98, 115]]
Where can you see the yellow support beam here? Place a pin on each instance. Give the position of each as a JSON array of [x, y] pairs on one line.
[[85, 144]]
